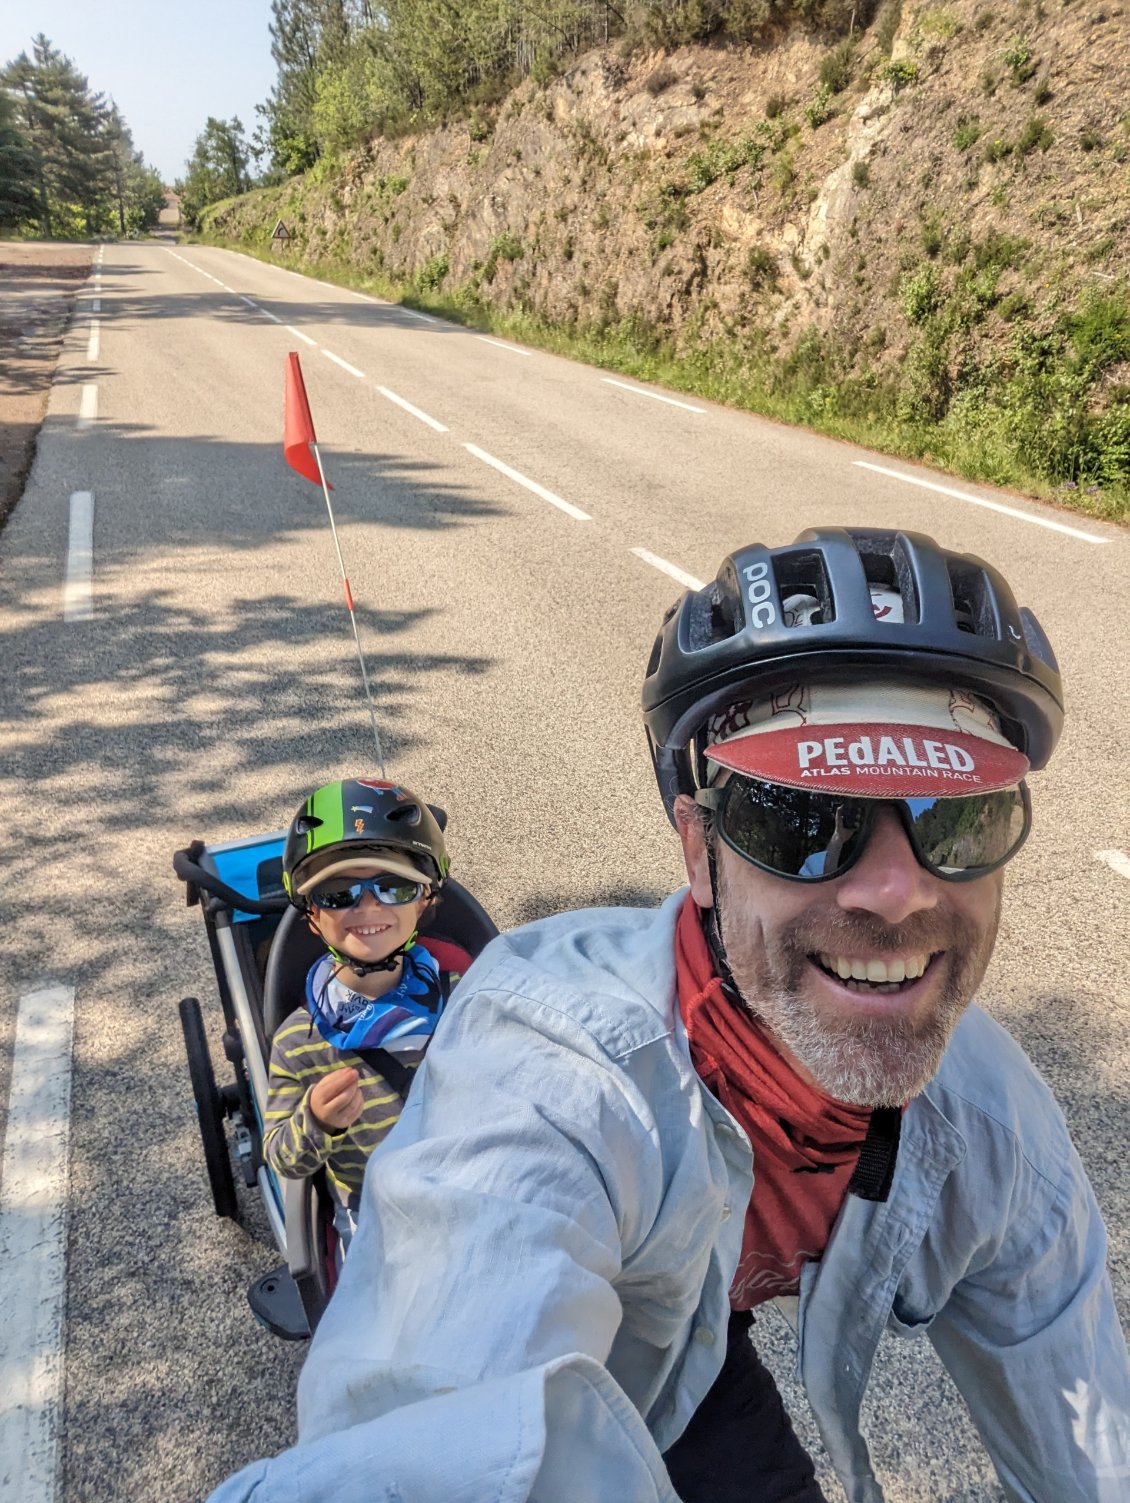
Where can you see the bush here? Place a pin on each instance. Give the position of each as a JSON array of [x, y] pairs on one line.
[[1018, 59], [819, 108], [901, 73], [838, 67], [775, 105], [761, 268], [1035, 136], [432, 274], [968, 132], [660, 78], [861, 174], [921, 294]]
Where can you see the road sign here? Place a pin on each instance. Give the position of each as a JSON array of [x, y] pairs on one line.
[[280, 232]]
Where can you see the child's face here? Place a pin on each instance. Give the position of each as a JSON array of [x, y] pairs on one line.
[[369, 930]]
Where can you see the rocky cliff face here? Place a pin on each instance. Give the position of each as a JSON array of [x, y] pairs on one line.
[[903, 202]]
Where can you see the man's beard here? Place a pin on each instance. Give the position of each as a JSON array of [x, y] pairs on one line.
[[867, 1060]]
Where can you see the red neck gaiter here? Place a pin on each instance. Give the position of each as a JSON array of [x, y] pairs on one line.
[[805, 1144]]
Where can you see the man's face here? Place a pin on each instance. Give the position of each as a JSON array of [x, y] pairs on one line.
[[788, 944]]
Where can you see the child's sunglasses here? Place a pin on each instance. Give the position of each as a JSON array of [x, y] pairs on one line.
[[391, 891], [806, 836]]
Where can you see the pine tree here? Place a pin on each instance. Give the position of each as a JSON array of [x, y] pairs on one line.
[[19, 199], [218, 167]]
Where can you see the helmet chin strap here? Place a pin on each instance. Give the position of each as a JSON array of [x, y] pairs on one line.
[[713, 929], [346, 962]]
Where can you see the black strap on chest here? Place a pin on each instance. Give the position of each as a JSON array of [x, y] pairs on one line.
[[398, 1074], [875, 1168]]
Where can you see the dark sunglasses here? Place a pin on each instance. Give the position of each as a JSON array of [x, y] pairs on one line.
[[807, 836], [391, 891]]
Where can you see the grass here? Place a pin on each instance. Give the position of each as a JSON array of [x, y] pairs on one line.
[[1012, 434]]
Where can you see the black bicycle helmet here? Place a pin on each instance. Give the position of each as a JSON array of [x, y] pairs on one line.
[[361, 818], [731, 640]]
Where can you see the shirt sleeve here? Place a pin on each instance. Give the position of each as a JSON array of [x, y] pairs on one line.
[[294, 1145], [1032, 1340], [463, 1354]]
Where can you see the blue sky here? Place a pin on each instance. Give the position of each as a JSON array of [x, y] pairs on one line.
[[168, 66]]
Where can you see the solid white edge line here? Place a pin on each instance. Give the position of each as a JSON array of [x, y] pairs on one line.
[[1009, 511], [345, 365], [680, 576], [642, 391], [411, 312], [92, 341], [498, 344], [298, 334], [530, 485], [33, 1242], [77, 601], [1118, 861], [88, 405], [415, 411]]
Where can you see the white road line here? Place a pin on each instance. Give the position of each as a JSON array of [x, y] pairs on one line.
[[423, 317], [1009, 511], [33, 1244], [96, 305], [298, 334], [92, 342], [88, 405], [78, 602], [498, 344], [688, 581], [251, 303], [345, 365], [641, 391], [266, 312], [1118, 860], [415, 411], [530, 485]]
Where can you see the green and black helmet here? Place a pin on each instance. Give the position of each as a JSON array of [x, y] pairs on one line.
[[358, 821]]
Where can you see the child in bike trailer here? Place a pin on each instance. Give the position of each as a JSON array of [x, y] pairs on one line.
[[364, 860]]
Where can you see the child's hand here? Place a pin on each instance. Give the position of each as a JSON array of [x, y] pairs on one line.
[[336, 1100]]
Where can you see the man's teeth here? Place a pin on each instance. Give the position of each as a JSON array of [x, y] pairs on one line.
[[877, 972]]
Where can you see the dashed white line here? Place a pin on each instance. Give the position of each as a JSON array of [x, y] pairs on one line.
[[425, 318], [96, 304], [498, 344], [88, 405], [33, 1243], [415, 411], [298, 334], [251, 303], [1118, 861], [531, 485], [345, 365], [266, 312], [78, 602], [642, 391], [688, 581], [1009, 511], [92, 342]]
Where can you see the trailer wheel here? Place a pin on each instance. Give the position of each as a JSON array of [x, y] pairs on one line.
[[210, 1110]]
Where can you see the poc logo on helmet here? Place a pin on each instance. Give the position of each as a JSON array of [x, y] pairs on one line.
[[762, 611]]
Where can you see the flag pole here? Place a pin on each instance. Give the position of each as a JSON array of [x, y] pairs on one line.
[[349, 607]]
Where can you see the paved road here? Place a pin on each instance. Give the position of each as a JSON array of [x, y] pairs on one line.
[[208, 681]]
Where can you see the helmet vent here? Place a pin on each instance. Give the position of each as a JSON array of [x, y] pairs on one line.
[[307, 822], [887, 569], [804, 575], [972, 608], [404, 814]]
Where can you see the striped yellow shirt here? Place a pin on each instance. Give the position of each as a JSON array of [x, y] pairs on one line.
[[294, 1145]]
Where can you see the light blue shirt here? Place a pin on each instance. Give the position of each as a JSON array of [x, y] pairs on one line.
[[537, 1297]]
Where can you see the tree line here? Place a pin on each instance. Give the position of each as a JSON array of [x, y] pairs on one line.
[[349, 71], [68, 164]]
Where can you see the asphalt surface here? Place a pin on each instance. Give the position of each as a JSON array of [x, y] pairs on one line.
[[215, 683]]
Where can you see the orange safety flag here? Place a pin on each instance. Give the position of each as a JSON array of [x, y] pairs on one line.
[[298, 425]]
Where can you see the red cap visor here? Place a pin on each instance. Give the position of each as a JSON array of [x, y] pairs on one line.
[[874, 761]]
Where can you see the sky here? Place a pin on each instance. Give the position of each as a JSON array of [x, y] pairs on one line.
[[168, 66]]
